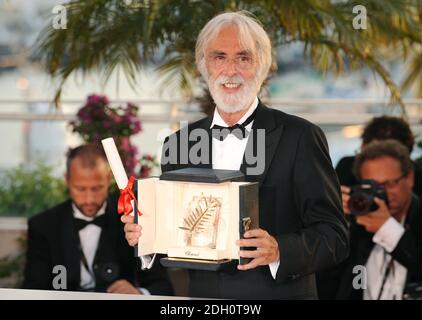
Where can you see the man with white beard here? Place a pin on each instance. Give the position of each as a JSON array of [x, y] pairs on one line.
[[302, 228]]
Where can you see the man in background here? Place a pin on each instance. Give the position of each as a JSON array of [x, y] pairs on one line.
[[379, 128], [382, 128], [387, 241], [84, 234]]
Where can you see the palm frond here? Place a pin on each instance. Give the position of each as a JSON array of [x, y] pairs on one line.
[[413, 77], [200, 217], [103, 35]]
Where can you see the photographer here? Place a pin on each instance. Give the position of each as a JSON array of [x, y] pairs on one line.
[[386, 235], [382, 128], [84, 234]]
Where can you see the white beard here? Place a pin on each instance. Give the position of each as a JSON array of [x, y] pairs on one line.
[[233, 102]]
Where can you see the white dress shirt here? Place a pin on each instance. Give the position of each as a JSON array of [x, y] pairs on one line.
[[228, 154], [89, 237], [386, 240]]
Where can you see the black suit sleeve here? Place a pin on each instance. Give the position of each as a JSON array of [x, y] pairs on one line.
[[323, 240], [38, 268], [409, 249]]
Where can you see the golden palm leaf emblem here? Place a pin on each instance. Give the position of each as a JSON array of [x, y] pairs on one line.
[[201, 220]]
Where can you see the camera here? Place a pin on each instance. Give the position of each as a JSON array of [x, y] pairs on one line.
[[362, 196]]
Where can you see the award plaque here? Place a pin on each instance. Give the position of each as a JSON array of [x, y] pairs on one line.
[[194, 216]]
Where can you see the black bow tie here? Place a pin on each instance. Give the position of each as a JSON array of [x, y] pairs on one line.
[[221, 133], [238, 130], [80, 223]]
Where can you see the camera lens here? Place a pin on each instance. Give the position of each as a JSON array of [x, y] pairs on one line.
[[359, 203]]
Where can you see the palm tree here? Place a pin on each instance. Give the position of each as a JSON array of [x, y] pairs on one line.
[[103, 35]]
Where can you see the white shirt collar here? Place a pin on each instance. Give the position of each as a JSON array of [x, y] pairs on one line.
[[79, 215], [220, 122]]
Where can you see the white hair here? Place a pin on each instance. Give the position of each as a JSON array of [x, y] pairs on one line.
[[249, 30]]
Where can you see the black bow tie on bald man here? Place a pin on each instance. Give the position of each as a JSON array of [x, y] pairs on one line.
[[80, 224], [238, 130]]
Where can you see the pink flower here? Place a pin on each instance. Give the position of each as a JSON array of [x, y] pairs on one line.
[[131, 106], [145, 171], [148, 157], [97, 120], [94, 99], [137, 127], [115, 118], [105, 100]]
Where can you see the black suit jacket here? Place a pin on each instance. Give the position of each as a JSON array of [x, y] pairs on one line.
[[299, 204], [53, 240], [408, 252]]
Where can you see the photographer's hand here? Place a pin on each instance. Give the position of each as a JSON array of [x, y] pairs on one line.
[[373, 221], [345, 196]]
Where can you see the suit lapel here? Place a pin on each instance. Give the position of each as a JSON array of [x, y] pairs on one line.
[[264, 120], [105, 250], [205, 126], [70, 245]]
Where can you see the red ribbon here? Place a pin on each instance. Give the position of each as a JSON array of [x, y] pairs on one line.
[[126, 196]]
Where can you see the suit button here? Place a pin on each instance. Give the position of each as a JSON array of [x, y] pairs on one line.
[[95, 266]]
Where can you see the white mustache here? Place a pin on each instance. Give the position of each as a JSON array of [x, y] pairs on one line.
[[234, 79]]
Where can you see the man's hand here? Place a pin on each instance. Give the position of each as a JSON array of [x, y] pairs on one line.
[[132, 230], [266, 249], [373, 221], [122, 286], [345, 196]]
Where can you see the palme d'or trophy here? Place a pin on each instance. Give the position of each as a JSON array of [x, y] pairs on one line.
[[201, 222], [193, 215]]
